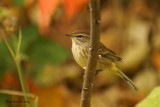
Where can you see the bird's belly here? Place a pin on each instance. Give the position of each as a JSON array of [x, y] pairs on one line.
[[80, 56]]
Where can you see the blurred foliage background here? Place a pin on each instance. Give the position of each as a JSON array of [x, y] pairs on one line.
[[131, 28]]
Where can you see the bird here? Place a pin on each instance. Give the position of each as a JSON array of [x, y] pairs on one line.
[[106, 58]]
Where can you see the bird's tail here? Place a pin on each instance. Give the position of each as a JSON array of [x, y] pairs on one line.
[[124, 77]]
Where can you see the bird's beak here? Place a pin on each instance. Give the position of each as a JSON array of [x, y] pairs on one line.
[[68, 35]]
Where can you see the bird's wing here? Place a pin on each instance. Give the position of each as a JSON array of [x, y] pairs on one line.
[[107, 53]]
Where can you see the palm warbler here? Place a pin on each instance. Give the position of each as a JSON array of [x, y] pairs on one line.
[[106, 57]]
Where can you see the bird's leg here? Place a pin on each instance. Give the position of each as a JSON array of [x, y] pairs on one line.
[[97, 71]]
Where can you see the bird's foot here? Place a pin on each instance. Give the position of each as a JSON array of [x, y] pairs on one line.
[[97, 71]]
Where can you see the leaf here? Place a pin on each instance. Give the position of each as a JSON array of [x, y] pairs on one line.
[[9, 80], [53, 96], [72, 7], [46, 9], [3, 99], [29, 35], [19, 3], [5, 58], [44, 51], [153, 99]]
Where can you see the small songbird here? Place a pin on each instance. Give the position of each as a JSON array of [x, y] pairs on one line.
[[106, 58]]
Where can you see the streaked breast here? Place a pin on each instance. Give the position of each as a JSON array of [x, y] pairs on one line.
[[80, 55]]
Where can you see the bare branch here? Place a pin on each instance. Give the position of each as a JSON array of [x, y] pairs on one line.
[[93, 55]]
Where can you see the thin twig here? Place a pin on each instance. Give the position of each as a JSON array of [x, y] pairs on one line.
[[19, 42], [16, 58], [92, 59], [7, 44], [18, 93], [22, 82]]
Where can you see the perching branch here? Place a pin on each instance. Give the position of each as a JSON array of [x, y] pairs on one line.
[[89, 76]]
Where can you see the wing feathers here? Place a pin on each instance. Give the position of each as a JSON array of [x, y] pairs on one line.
[[107, 53]]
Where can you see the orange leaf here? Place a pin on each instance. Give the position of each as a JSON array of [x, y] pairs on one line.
[[72, 7], [10, 81], [46, 9], [30, 83], [52, 96]]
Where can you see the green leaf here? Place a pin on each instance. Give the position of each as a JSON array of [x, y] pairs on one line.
[[153, 99], [44, 51], [29, 35], [19, 3], [4, 100], [6, 61]]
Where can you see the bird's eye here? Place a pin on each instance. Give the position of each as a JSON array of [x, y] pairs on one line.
[[79, 36]]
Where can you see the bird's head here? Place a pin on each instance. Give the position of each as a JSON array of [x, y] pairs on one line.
[[79, 37]]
